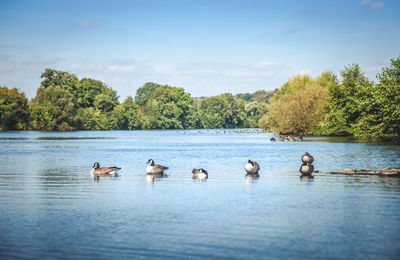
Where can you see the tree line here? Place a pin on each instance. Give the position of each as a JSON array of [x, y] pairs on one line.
[[351, 106], [64, 103]]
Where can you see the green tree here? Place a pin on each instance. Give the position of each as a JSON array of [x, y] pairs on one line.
[[166, 107], [90, 118], [53, 109], [244, 96], [260, 96], [192, 120], [346, 102], [87, 91], [128, 115], [64, 80], [297, 106], [14, 110], [380, 115], [254, 111], [144, 93], [106, 101], [222, 111]]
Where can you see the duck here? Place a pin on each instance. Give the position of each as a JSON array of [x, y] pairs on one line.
[[155, 169], [307, 158], [200, 173], [252, 167], [306, 169], [98, 171], [272, 139]]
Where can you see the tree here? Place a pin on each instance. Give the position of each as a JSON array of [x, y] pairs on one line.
[[380, 115], [346, 102], [64, 80], [222, 112], [53, 109], [296, 107], [254, 111], [166, 107], [144, 93], [260, 95], [128, 115], [14, 111], [106, 101], [87, 91]]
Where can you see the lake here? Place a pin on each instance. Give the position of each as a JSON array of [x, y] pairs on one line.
[[52, 208]]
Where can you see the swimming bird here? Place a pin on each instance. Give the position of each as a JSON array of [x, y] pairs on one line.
[[200, 173], [306, 169], [98, 171], [252, 167], [155, 168], [307, 158]]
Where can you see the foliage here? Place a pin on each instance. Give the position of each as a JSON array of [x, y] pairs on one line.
[[380, 115], [346, 102], [222, 111], [354, 106], [14, 111], [128, 115], [88, 89], [296, 107], [254, 111], [167, 107], [260, 96], [53, 109], [63, 102], [54, 78], [144, 93]]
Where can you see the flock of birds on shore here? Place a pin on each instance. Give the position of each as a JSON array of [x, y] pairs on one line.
[[157, 171]]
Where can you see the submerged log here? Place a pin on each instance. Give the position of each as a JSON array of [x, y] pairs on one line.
[[388, 172]]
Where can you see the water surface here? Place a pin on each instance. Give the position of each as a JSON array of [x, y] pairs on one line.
[[51, 207]]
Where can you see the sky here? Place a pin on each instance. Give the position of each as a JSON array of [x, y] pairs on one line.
[[206, 47]]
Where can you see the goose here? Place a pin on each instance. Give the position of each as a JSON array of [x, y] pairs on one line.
[[252, 167], [200, 173], [306, 169], [98, 171], [155, 168], [307, 158]]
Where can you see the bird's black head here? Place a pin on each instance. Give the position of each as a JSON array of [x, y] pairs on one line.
[[151, 162], [96, 165]]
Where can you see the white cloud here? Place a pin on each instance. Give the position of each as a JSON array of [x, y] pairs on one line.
[[264, 63], [377, 5], [199, 77], [121, 68], [373, 5], [7, 44], [364, 2], [24, 73]]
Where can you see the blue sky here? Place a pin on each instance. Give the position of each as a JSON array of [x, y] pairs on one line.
[[206, 47]]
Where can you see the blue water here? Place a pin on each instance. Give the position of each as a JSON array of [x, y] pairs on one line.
[[51, 208]]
